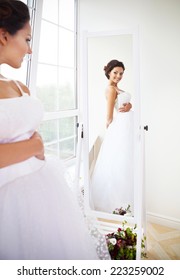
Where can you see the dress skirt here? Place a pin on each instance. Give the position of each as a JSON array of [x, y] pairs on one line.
[[39, 215], [112, 179]]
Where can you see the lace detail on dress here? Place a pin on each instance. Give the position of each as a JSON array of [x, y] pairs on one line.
[[98, 238]]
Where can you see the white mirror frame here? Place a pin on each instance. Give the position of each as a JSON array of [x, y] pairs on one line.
[[106, 221]]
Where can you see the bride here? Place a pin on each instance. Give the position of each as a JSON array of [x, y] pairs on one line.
[[39, 216], [112, 178]]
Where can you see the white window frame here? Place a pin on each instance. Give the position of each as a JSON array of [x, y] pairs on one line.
[[32, 68]]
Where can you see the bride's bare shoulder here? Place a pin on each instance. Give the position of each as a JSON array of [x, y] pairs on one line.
[[111, 92], [24, 87]]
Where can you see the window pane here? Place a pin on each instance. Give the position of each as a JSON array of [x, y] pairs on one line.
[[66, 48], [30, 3], [49, 131], [56, 95], [46, 87], [56, 73], [67, 127], [66, 13], [59, 136], [48, 49], [67, 149], [50, 10], [67, 135], [66, 89]]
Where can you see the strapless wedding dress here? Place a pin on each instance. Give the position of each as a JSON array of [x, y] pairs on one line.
[[39, 215], [112, 179]]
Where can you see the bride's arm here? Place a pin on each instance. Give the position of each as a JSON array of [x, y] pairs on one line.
[[11, 153], [126, 107], [111, 97]]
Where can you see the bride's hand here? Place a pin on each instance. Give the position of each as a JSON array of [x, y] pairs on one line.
[[126, 107], [39, 145]]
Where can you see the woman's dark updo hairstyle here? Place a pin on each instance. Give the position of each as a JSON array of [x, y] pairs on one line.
[[111, 64], [14, 15]]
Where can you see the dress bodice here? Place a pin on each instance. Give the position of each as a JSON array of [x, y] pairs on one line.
[[19, 118], [122, 97]]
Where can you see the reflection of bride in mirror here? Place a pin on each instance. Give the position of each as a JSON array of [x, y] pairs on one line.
[[112, 178]]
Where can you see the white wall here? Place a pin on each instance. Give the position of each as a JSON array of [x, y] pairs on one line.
[[159, 26]]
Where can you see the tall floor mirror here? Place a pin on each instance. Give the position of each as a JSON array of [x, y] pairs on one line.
[[98, 49]]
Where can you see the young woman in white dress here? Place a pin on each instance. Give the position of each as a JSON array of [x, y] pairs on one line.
[[39, 215], [112, 178]]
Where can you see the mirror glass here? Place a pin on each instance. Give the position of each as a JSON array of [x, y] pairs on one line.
[[102, 48]]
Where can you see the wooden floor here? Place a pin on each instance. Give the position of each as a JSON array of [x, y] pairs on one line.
[[163, 243]]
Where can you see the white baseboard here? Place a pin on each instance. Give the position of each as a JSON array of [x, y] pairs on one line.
[[163, 220]]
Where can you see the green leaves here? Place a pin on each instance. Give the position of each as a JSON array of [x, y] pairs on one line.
[[122, 244]]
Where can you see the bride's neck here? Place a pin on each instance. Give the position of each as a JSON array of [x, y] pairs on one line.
[[113, 84]]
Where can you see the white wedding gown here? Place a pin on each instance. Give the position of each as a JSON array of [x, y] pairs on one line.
[[39, 215], [112, 178]]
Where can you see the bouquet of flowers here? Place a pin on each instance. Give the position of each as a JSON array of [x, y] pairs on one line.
[[121, 211], [122, 244]]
